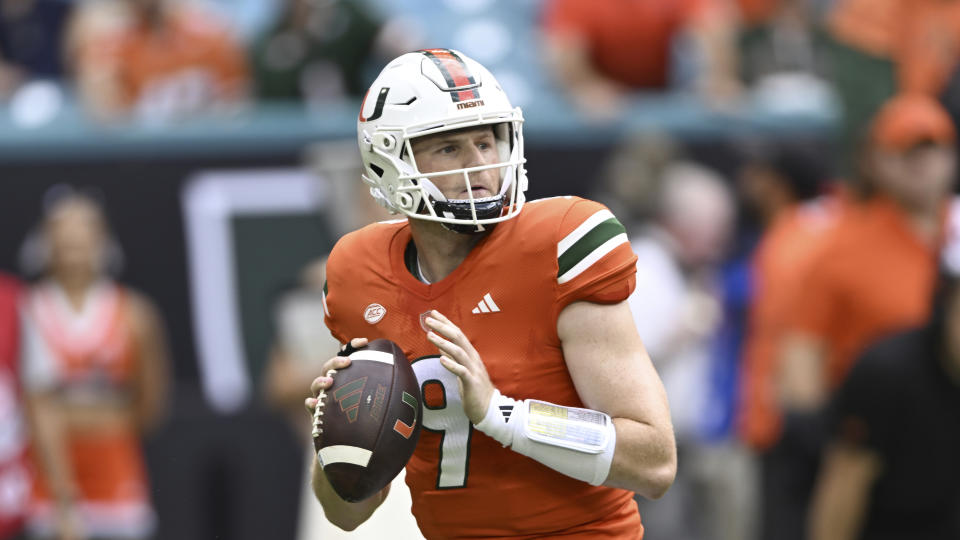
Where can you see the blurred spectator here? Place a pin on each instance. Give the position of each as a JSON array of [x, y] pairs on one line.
[[780, 36], [882, 47], [157, 60], [14, 466], [322, 50], [782, 185], [677, 309], [95, 372], [892, 469], [299, 349], [784, 55], [873, 275], [31, 41], [605, 49]]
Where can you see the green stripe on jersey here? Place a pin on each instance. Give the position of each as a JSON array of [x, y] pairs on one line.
[[588, 243]]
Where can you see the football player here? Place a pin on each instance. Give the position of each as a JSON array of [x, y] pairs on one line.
[[542, 412]]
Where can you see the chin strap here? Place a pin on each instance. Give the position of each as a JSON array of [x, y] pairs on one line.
[[487, 208]]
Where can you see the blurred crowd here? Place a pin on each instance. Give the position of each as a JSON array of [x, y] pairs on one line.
[[798, 298]]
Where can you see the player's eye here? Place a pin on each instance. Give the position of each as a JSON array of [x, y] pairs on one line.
[[448, 149]]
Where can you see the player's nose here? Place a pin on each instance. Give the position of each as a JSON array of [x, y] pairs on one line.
[[477, 156]]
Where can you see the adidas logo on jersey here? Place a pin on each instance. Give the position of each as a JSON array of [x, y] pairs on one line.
[[486, 305]]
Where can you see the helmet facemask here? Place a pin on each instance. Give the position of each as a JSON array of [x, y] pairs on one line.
[[417, 196]]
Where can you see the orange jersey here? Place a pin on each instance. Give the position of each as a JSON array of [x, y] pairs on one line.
[[89, 356], [506, 297], [873, 276], [780, 264]]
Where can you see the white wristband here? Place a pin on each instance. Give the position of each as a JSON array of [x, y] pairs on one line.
[[497, 422], [576, 442]]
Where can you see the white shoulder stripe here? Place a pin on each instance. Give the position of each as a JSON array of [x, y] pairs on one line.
[[582, 230], [593, 257], [341, 453], [373, 356], [535, 201]]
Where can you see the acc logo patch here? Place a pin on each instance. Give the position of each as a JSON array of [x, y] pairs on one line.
[[374, 313]]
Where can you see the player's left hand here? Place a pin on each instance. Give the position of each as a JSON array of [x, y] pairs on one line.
[[461, 359]]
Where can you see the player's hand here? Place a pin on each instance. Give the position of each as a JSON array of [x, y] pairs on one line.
[[461, 359], [325, 381]]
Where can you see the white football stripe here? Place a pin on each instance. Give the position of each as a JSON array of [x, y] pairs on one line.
[[593, 257], [490, 302], [582, 230], [341, 453], [373, 356]]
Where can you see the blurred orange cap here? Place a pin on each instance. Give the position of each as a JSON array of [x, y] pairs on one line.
[[909, 119]]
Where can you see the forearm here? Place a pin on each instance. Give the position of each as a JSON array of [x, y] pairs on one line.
[[842, 493], [49, 435], [585, 444], [348, 516], [801, 379], [645, 459]]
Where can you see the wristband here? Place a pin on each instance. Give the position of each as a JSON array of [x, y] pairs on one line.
[[576, 442]]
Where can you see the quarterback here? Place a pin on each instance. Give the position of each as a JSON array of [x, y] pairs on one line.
[[542, 411]]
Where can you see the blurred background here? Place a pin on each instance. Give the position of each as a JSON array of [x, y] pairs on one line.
[[216, 140]]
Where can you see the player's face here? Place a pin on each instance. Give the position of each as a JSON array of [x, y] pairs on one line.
[[76, 236], [919, 178], [456, 150]]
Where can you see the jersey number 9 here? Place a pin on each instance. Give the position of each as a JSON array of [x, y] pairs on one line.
[[443, 413]]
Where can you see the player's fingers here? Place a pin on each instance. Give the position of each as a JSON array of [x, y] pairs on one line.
[[320, 383], [335, 363], [450, 331], [439, 316], [356, 343], [453, 367], [310, 404], [452, 350]]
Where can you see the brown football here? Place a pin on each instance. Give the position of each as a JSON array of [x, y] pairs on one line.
[[367, 424]]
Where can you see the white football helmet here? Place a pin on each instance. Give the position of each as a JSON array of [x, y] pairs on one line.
[[427, 92]]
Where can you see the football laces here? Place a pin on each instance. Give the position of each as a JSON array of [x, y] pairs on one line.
[[318, 410]]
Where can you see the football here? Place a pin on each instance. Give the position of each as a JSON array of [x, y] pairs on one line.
[[366, 425]]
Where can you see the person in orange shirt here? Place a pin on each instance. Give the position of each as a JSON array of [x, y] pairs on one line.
[[875, 273], [785, 187], [95, 376], [885, 47], [155, 60], [496, 302], [604, 50]]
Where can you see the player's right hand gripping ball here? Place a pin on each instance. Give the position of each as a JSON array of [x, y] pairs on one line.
[[366, 425]]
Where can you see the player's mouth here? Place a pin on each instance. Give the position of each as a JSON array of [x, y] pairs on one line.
[[478, 192]]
